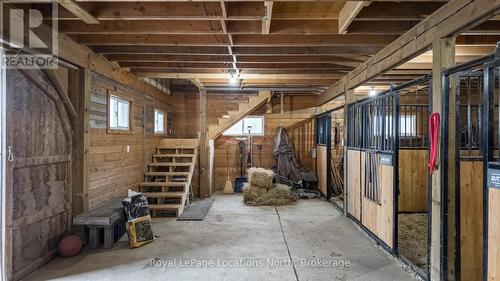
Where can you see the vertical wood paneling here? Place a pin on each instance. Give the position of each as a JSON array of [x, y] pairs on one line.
[[413, 180], [321, 168], [354, 173], [379, 218], [471, 220], [300, 128], [112, 169], [494, 234]]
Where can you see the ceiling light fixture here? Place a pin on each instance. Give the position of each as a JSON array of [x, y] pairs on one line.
[[233, 80], [372, 92]]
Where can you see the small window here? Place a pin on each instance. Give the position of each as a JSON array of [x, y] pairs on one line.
[[408, 125], [254, 123], [119, 113], [159, 122]]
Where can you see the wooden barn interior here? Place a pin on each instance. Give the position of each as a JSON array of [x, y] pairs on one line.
[[133, 133]]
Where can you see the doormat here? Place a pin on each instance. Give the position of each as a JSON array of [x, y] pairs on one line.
[[197, 210]]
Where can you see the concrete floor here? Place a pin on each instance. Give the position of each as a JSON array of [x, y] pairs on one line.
[[265, 237]]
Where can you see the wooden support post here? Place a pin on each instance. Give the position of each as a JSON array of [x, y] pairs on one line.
[[349, 98], [442, 268], [79, 94], [204, 163]]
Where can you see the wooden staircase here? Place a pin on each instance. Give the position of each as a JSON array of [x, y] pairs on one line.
[[167, 184], [236, 115]]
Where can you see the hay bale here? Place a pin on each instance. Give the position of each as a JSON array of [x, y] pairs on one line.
[[279, 194], [251, 193], [260, 177]]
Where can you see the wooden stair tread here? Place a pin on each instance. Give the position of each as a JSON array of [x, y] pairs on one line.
[[166, 173], [173, 155], [164, 194], [167, 164], [168, 183], [155, 207]]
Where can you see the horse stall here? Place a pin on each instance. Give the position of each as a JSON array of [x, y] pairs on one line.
[[413, 187], [387, 170], [371, 157], [330, 155], [490, 144], [476, 136]]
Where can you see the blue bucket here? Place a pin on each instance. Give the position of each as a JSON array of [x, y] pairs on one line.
[[238, 184]]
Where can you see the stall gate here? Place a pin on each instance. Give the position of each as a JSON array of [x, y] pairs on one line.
[[372, 145], [478, 255], [324, 153], [491, 125]]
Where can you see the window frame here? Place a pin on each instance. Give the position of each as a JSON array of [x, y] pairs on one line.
[[164, 132], [116, 130], [246, 133]]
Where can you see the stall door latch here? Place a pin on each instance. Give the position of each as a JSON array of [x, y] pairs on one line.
[[10, 156]]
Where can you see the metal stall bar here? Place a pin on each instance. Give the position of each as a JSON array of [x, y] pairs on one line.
[[445, 92], [488, 123]]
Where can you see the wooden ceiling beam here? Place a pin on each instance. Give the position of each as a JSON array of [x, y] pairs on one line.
[[268, 13], [146, 11], [168, 58], [78, 11], [313, 40], [452, 19], [222, 65], [298, 58], [239, 40], [171, 50], [277, 76], [360, 52], [130, 58], [348, 13], [143, 27], [153, 39], [399, 11], [298, 27], [321, 50]]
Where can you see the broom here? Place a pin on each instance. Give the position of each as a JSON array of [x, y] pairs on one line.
[[228, 188]]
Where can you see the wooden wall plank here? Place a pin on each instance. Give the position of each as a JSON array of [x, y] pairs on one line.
[[471, 220], [321, 168], [111, 168], [413, 180], [493, 234], [353, 179]]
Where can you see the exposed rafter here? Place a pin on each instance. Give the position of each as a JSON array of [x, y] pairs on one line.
[[77, 10], [452, 19], [266, 21], [350, 10]]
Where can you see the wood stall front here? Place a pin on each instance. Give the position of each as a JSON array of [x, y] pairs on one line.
[[371, 158]]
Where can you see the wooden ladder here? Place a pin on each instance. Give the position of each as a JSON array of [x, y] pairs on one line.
[[167, 183]]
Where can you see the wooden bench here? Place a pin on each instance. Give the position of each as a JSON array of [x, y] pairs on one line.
[[109, 217]]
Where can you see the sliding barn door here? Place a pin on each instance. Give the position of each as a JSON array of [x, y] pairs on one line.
[[38, 171]]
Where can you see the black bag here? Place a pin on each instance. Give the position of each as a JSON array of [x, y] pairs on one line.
[[309, 181], [136, 206]]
